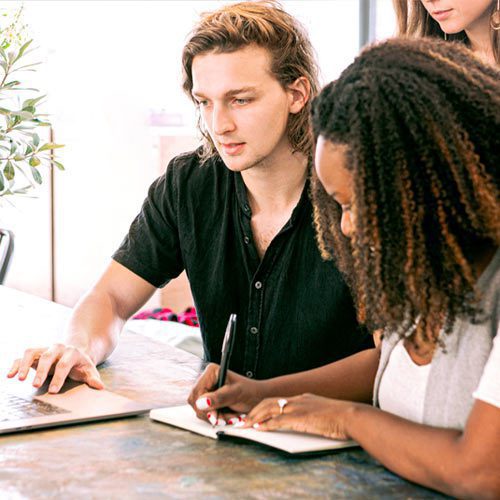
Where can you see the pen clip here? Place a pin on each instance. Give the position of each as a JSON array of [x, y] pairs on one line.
[[227, 334], [227, 347]]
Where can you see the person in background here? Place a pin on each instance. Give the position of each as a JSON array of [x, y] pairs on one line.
[[234, 214], [476, 23], [407, 201]]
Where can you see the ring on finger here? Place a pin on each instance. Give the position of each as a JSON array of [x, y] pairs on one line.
[[282, 403]]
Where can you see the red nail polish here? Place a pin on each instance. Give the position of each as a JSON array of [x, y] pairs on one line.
[[209, 402]]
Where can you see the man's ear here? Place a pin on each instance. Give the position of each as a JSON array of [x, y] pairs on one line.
[[299, 92]]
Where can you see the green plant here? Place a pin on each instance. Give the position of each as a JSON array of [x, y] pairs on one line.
[[22, 153]]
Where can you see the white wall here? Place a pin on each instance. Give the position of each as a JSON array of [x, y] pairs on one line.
[[106, 64]]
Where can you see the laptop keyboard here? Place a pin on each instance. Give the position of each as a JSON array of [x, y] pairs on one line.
[[15, 408]]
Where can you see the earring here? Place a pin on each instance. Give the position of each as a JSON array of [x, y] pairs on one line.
[[495, 18], [446, 34]]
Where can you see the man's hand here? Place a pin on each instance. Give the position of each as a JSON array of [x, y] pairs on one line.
[[63, 361], [239, 394]]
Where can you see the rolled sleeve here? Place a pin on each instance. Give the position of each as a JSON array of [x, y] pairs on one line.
[[151, 249]]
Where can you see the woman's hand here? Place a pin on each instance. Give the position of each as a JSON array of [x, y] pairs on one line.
[[305, 413], [239, 394]]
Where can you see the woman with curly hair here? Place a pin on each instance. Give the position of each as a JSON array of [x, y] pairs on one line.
[[475, 23], [406, 201]]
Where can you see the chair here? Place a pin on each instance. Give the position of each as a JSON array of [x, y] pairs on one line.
[[6, 249]]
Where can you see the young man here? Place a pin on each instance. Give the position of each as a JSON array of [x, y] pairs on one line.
[[235, 215]]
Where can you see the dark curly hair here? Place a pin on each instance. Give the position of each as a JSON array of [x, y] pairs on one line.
[[420, 119]]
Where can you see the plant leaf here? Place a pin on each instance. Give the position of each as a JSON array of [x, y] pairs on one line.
[[9, 171], [11, 84], [50, 145], [36, 175], [58, 164], [23, 68], [34, 161], [22, 49], [41, 124], [32, 102]]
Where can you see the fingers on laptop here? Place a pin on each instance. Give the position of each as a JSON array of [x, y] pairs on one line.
[[46, 362], [60, 359], [21, 366], [14, 369], [70, 365]]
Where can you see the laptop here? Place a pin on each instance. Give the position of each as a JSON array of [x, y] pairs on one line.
[[23, 408]]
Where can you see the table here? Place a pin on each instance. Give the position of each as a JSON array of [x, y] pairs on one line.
[[138, 458]]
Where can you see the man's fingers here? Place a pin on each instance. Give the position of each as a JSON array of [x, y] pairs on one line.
[[14, 369], [83, 370], [93, 379], [27, 361], [65, 364], [45, 362]]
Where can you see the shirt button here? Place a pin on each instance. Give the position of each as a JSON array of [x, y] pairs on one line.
[[246, 239], [254, 330], [249, 374], [246, 208], [258, 285]]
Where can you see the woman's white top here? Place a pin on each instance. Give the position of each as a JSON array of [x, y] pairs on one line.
[[404, 383], [467, 369]]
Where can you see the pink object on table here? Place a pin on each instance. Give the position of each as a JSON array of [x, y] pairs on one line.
[[188, 317]]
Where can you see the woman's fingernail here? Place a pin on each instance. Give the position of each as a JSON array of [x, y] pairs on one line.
[[37, 381], [243, 416], [234, 420], [256, 426], [241, 423], [53, 388], [212, 418], [221, 422], [203, 403]]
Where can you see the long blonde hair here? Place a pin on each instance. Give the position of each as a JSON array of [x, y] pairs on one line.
[[414, 21], [267, 25]]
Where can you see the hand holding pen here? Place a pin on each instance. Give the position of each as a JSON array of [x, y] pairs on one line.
[[218, 388]]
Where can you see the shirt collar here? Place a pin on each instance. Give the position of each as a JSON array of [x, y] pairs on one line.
[[241, 195]]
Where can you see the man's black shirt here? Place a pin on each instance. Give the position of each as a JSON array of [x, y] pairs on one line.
[[294, 310]]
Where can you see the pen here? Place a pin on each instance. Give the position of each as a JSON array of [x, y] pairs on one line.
[[227, 348]]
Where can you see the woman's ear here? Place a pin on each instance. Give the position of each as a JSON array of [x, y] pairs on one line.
[[299, 92]]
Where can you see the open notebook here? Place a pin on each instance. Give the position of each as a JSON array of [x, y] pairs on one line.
[[289, 442]]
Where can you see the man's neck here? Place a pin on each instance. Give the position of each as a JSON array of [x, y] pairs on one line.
[[479, 37], [277, 183]]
